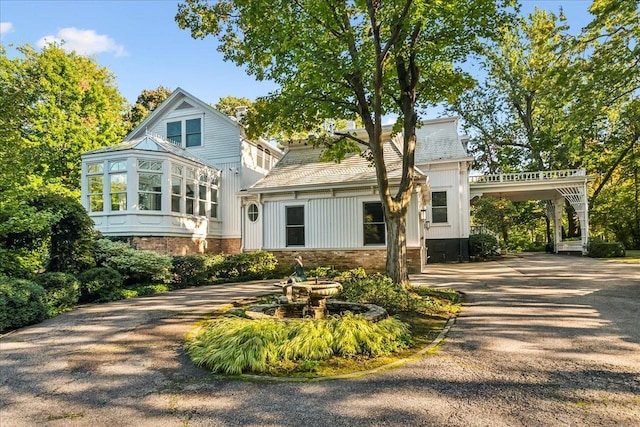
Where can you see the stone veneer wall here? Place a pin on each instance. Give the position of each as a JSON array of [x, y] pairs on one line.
[[373, 260], [184, 245]]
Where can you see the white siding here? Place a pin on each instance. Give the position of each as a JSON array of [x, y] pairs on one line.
[[228, 200], [446, 177], [220, 138], [330, 222], [252, 232]]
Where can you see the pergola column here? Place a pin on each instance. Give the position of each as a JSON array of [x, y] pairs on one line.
[[558, 206], [577, 197]]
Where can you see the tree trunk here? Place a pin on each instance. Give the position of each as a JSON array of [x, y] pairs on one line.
[[397, 249]]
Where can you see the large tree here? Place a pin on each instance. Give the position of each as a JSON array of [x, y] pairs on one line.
[[353, 59], [147, 101], [56, 105]]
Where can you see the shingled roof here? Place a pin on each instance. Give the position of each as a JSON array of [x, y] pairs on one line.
[[301, 167]]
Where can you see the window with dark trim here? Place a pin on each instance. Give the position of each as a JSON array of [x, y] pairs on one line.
[[174, 132], [295, 225], [194, 133], [253, 212], [373, 223], [439, 207]]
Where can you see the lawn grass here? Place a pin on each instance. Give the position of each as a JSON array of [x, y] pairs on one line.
[[631, 257]]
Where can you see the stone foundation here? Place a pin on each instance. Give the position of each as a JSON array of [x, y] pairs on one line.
[[184, 245], [372, 260]]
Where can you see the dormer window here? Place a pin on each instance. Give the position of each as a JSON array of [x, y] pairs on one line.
[[192, 132]]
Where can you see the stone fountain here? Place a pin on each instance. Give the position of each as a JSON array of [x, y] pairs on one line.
[[309, 299]]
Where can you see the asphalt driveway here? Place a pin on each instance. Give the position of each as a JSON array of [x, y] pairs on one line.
[[543, 340]]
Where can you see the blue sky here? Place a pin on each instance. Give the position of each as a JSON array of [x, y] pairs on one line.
[[139, 41]]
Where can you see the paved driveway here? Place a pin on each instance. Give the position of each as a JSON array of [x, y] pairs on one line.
[[543, 340]]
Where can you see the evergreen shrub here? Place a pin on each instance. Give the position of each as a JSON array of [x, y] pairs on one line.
[[483, 245], [135, 266], [194, 270], [22, 302], [62, 291], [598, 248], [100, 284]]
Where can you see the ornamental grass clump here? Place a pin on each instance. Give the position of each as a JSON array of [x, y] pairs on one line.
[[235, 345]]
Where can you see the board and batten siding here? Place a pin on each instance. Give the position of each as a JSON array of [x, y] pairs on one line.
[[330, 223], [452, 178]]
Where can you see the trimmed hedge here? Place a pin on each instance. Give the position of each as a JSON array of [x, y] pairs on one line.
[[598, 248], [22, 302], [196, 270], [483, 245], [62, 291], [135, 266]]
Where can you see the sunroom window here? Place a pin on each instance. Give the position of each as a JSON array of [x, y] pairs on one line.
[[149, 185], [118, 185], [202, 195], [176, 188], [95, 180]]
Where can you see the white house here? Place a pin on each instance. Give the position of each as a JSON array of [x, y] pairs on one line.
[[187, 180], [173, 184], [332, 215]]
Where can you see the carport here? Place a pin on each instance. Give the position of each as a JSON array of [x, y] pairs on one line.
[[551, 187]]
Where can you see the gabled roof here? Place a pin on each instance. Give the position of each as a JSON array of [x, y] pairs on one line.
[[439, 140], [301, 168], [149, 142], [169, 104]]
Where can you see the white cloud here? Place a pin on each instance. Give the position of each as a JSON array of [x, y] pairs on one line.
[[83, 42], [6, 27]]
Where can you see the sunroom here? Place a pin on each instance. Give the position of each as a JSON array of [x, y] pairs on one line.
[[151, 187]]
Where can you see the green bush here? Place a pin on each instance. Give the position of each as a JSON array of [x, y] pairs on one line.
[[62, 291], [483, 245], [377, 289], [328, 272], [598, 248], [235, 345], [246, 266], [100, 284], [135, 266], [193, 270], [22, 302]]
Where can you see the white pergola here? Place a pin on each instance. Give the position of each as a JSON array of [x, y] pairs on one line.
[[552, 187]]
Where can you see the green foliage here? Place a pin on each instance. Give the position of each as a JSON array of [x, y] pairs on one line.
[[142, 290], [43, 225], [71, 236], [135, 266], [351, 60], [247, 266], [147, 101], [380, 290], [100, 284], [234, 345], [598, 248], [483, 245], [62, 291], [322, 271], [22, 302], [58, 106], [191, 270]]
